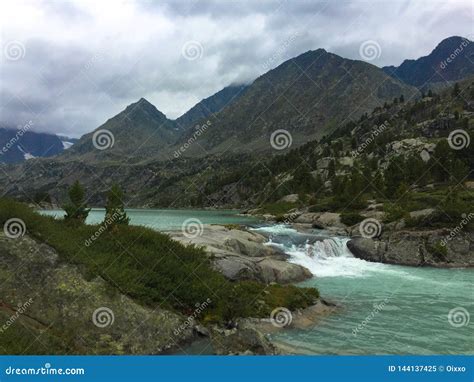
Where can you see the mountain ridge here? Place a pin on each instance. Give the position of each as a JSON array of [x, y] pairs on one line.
[[451, 60]]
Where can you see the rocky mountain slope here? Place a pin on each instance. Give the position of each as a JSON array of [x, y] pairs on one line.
[[452, 60], [67, 313], [211, 105], [140, 131], [307, 96]]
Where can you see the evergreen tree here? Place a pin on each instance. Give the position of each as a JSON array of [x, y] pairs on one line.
[[394, 175], [456, 90], [442, 156], [76, 210], [114, 210]]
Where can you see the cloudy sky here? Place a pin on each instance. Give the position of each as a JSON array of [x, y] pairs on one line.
[[68, 66]]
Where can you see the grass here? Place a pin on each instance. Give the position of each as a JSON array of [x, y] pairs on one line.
[[278, 208], [154, 269]]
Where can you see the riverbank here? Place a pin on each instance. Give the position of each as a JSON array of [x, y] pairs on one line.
[[130, 267], [399, 242]]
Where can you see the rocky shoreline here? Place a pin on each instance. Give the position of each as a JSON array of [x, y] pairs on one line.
[[64, 301], [392, 243]]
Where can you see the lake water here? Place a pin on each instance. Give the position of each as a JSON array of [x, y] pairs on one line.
[[385, 309], [166, 220]]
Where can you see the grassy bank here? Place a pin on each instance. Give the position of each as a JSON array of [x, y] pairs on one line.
[[155, 270]]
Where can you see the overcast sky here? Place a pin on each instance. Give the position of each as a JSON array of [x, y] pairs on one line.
[[70, 65]]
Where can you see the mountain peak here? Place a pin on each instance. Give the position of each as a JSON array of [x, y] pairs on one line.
[[451, 60], [452, 42], [143, 107]]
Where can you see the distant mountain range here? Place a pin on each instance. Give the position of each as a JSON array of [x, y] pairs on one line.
[[17, 145], [452, 60], [308, 96]]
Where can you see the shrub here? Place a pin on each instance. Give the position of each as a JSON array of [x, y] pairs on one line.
[[394, 212], [156, 270], [351, 218]]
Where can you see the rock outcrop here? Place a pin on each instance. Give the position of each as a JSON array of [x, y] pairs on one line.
[[80, 316], [417, 248], [242, 255]]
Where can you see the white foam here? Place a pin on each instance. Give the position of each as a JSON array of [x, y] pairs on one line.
[[277, 229]]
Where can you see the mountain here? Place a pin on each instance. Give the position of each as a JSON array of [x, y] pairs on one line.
[[451, 60], [308, 96], [140, 131], [211, 105], [18, 145]]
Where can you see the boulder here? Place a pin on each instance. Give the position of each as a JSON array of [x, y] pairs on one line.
[[243, 340], [292, 198], [439, 248], [422, 214], [243, 255]]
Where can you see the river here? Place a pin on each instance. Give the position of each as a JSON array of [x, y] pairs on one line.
[[385, 309]]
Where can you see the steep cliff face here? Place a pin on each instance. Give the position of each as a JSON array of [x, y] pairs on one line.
[[48, 307]]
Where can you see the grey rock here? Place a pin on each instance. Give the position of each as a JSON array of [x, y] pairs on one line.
[[243, 255], [417, 248]]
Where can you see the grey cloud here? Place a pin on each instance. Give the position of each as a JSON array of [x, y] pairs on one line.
[[72, 80]]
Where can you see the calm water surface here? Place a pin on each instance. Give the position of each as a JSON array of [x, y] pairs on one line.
[[166, 220]]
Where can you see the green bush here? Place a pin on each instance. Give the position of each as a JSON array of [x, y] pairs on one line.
[[351, 218], [394, 212], [154, 269]]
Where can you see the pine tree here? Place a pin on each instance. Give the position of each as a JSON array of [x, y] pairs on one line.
[[456, 90], [76, 210], [114, 210]]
